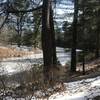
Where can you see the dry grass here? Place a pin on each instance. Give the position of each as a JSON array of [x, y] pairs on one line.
[[92, 69], [12, 52], [31, 83]]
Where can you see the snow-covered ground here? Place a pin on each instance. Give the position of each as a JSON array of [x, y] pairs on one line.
[[85, 89], [80, 90], [17, 64], [63, 56]]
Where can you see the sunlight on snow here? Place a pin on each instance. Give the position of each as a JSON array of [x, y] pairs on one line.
[[77, 96], [96, 83], [10, 67], [79, 90]]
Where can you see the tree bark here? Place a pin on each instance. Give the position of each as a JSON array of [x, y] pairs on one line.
[[97, 54], [18, 31], [74, 35], [46, 39], [97, 45], [53, 37]]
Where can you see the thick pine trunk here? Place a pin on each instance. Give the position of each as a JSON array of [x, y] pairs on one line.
[[46, 39]]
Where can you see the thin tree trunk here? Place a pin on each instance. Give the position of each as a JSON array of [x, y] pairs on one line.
[[83, 27], [18, 31], [83, 62], [74, 42], [97, 36], [97, 44]]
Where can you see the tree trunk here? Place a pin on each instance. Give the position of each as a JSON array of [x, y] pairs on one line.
[[53, 37], [97, 36], [97, 45], [83, 30], [46, 39], [97, 41], [74, 35], [19, 33]]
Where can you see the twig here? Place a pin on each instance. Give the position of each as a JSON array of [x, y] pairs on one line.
[[4, 21]]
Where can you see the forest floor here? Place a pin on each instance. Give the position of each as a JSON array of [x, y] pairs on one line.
[[79, 86], [76, 85], [92, 69], [85, 89], [14, 59]]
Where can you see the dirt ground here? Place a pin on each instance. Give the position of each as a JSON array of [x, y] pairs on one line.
[[92, 69]]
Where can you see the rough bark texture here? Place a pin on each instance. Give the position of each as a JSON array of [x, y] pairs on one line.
[[48, 39], [53, 37]]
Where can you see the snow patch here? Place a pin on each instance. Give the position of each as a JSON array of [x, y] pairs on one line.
[[79, 90]]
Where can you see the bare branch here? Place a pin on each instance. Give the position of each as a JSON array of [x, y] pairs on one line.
[[4, 21], [24, 11]]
